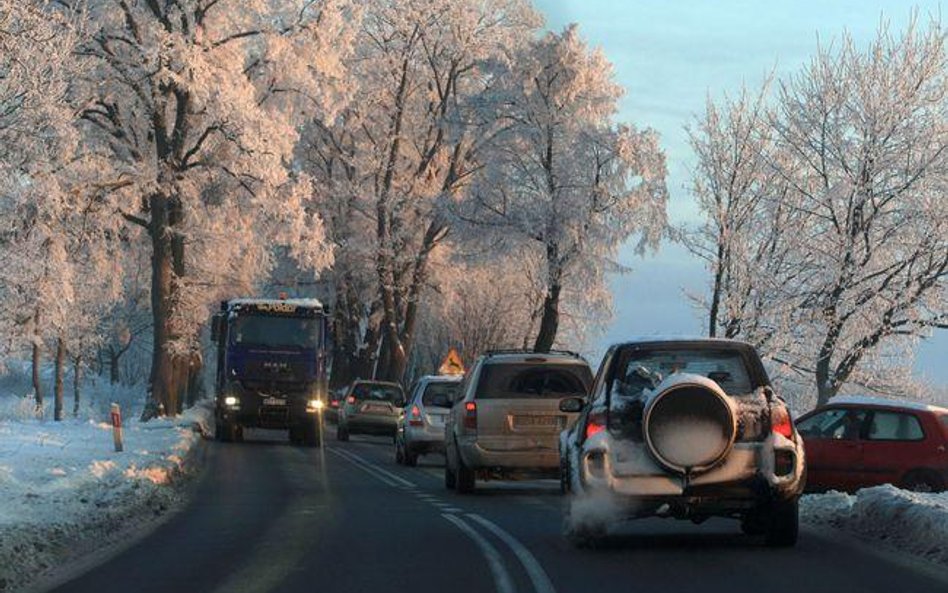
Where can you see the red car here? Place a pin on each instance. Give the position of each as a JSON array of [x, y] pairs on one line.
[[857, 442]]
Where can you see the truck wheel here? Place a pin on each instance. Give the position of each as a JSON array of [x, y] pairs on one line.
[[226, 432], [783, 524], [312, 436], [465, 478]]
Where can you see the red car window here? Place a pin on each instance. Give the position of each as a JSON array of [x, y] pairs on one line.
[[895, 426]]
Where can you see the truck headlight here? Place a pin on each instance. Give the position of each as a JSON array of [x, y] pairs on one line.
[[230, 400], [316, 404]]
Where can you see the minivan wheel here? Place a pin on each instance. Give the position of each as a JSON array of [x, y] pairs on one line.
[[921, 481], [783, 524], [465, 478], [450, 479]]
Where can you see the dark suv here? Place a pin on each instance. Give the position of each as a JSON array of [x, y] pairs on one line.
[[687, 429]]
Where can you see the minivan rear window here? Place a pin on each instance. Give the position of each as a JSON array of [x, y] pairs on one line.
[[518, 381], [439, 394]]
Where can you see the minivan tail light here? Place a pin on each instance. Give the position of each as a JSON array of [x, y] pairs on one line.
[[470, 416], [780, 422], [415, 416]]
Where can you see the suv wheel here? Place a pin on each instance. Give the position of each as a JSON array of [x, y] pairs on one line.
[[783, 524]]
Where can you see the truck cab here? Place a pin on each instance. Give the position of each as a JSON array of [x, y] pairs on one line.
[[272, 364]]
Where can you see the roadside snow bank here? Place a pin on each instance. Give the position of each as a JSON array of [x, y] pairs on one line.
[[64, 492], [910, 521]]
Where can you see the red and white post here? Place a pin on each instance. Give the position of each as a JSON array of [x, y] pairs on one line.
[[116, 414]]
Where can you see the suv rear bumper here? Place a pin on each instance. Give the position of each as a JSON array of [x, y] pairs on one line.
[[477, 457], [745, 479]]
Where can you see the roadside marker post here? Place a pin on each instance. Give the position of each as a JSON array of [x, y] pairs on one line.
[[116, 415]]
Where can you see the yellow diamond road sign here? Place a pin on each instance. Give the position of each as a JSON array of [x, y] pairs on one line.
[[451, 365]]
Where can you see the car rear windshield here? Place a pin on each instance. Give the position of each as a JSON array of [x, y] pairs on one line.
[[526, 380], [644, 369], [388, 393], [439, 394]]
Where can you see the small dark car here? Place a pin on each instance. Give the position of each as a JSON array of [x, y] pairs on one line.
[[370, 407], [858, 442]]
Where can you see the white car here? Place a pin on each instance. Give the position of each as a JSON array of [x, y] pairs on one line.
[[687, 429], [421, 425]]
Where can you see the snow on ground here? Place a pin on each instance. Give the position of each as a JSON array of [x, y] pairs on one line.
[[64, 491], [912, 522]]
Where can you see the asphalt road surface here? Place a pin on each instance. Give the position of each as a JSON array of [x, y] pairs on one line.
[[271, 517]]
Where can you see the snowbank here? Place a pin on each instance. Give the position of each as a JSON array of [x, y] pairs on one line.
[[64, 491], [912, 522]]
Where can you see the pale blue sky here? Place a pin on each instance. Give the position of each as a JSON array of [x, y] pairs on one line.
[[669, 56]]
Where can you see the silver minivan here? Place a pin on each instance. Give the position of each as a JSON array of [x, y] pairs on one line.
[[506, 420]]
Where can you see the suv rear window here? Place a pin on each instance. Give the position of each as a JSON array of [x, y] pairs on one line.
[[439, 394], [526, 380], [644, 369]]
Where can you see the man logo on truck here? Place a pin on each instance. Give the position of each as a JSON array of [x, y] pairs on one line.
[[272, 367]]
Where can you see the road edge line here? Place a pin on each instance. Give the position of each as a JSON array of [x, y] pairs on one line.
[[503, 582], [538, 576]]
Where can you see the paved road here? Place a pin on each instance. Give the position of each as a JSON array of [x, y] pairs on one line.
[[270, 517]]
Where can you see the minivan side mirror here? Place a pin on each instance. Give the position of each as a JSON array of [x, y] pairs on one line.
[[572, 405]]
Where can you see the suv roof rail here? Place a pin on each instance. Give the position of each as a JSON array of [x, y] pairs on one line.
[[529, 351]]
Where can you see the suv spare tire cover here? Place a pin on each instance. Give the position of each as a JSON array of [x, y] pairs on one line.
[[689, 423]]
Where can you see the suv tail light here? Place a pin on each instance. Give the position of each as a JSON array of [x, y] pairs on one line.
[[415, 419], [780, 422], [470, 416], [595, 424], [351, 399]]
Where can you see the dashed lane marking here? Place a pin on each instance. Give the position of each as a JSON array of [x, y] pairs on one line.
[[495, 562]]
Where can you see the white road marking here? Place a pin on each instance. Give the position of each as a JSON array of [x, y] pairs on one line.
[[365, 468], [495, 562], [395, 477], [541, 581]]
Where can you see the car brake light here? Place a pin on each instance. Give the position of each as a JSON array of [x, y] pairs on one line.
[[780, 421], [351, 399], [334, 403], [415, 416], [595, 425], [470, 416]]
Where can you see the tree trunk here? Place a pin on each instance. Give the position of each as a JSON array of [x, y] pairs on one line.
[[114, 371], [60, 369], [76, 379], [716, 292], [550, 319], [161, 381], [37, 384]]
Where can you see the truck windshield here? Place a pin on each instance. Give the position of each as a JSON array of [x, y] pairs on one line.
[[266, 330]]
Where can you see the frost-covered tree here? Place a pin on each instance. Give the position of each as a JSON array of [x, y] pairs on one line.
[[37, 144], [562, 174], [830, 210], [422, 72], [194, 111]]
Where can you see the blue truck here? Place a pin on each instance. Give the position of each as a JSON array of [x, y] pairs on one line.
[[272, 367]]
